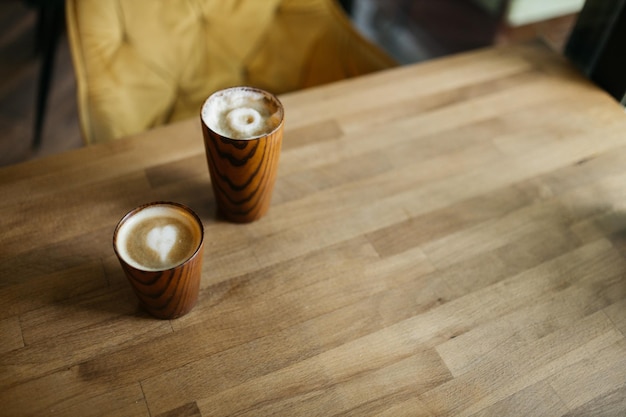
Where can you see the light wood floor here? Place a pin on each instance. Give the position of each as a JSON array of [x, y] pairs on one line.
[[19, 70]]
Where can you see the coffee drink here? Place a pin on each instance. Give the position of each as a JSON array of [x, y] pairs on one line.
[[160, 248], [243, 132], [158, 237], [241, 113]]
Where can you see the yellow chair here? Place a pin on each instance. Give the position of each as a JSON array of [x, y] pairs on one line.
[[144, 63]]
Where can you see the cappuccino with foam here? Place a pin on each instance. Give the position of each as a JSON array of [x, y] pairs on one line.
[[241, 113], [158, 237]]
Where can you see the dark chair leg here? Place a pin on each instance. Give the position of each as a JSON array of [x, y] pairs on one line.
[[347, 6], [596, 45], [49, 28]]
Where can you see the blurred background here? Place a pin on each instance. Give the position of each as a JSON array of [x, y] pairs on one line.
[[36, 69]]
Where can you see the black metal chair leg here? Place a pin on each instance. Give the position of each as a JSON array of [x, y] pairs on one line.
[[50, 25]]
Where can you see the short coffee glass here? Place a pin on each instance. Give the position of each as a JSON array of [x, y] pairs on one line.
[[243, 130], [160, 248]]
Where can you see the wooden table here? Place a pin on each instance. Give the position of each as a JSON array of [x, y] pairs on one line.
[[445, 239]]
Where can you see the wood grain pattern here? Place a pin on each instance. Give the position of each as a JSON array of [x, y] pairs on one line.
[[445, 239], [171, 292], [243, 171]]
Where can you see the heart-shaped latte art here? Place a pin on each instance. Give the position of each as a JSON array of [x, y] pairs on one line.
[[162, 240]]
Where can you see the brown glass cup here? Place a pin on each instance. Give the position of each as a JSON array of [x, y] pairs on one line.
[[171, 290], [243, 171]]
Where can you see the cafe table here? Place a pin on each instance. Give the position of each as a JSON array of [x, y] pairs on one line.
[[445, 239]]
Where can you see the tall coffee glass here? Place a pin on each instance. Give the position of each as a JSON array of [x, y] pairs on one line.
[[243, 130]]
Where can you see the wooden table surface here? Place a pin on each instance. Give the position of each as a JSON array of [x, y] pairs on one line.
[[445, 239]]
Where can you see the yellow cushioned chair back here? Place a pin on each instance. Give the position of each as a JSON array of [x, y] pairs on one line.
[[143, 63]]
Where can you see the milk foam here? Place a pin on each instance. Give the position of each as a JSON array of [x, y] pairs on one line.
[[241, 113], [161, 238]]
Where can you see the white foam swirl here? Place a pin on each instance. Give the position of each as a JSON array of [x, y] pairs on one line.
[[240, 113], [244, 121]]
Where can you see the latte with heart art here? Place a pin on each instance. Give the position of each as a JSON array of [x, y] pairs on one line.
[[158, 237]]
